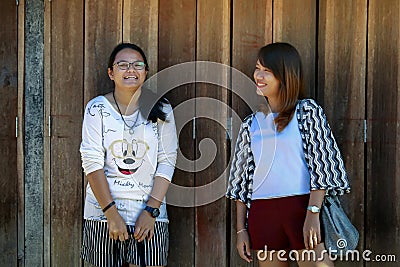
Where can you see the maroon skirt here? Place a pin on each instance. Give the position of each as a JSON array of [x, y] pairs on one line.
[[277, 223]]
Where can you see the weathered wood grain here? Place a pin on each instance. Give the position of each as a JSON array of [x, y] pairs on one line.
[[213, 44], [140, 26], [21, 138], [295, 22], [33, 142], [67, 94], [103, 31], [341, 91], [8, 141], [383, 102], [177, 42]]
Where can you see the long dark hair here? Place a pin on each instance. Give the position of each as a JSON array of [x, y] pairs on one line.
[[285, 63], [150, 104]]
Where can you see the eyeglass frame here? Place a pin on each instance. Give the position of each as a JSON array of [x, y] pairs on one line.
[[130, 64]]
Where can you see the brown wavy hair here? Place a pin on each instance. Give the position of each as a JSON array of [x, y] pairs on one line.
[[285, 63]]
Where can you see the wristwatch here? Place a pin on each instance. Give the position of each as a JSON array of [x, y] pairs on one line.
[[154, 212], [313, 209]]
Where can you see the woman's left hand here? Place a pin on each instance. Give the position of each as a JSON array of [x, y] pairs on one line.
[[312, 230], [144, 226]]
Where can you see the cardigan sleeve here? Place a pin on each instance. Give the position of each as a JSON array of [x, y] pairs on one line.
[[323, 156], [239, 184]]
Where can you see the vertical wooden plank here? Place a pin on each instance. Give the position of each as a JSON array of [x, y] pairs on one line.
[[177, 43], [34, 18], [8, 141], [140, 26], [100, 39], [47, 139], [103, 31], [20, 139], [295, 22], [341, 90], [213, 44], [383, 212], [247, 39], [67, 46]]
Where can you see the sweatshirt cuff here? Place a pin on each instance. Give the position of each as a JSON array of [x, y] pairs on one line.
[[91, 167], [166, 171]]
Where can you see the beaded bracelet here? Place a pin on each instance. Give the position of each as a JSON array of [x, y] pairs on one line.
[[112, 203], [242, 230]]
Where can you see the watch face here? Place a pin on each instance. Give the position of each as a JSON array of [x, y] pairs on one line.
[[156, 212], [313, 209], [153, 211]]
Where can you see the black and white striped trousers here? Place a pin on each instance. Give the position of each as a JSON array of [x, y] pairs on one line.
[[100, 250]]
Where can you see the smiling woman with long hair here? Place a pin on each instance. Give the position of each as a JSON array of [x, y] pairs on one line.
[[283, 166]]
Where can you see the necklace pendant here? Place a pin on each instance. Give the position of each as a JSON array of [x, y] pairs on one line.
[[131, 131]]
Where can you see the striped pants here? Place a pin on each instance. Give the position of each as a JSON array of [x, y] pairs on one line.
[[99, 250]]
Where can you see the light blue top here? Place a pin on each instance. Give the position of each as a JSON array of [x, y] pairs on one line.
[[280, 166], [321, 152]]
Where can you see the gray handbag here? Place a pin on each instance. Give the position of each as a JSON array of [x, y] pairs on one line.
[[339, 233]]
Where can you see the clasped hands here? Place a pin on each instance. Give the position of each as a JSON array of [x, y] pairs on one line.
[[118, 230]]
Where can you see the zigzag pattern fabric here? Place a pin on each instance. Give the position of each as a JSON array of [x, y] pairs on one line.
[[240, 185], [321, 152]]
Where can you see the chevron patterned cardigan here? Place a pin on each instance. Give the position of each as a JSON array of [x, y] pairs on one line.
[[321, 152]]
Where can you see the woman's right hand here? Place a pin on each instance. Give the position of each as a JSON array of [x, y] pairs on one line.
[[117, 228], [243, 245]]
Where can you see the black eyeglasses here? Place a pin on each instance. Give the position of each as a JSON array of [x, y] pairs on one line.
[[137, 65]]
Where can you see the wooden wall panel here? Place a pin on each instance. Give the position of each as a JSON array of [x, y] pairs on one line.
[[33, 133], [213, 44], [8, 141], [247, 39], [99, 43], [21, 137], [47, 138], [343, 55], [341, 91], [383, 102], [295, 22], [103, 31], [140, 26], [177, 44], [67, 47]]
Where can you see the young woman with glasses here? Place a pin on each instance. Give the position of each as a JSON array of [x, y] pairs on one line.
[[128, 149]]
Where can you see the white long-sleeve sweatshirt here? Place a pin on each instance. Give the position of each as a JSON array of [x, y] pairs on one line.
[[130, 156]]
